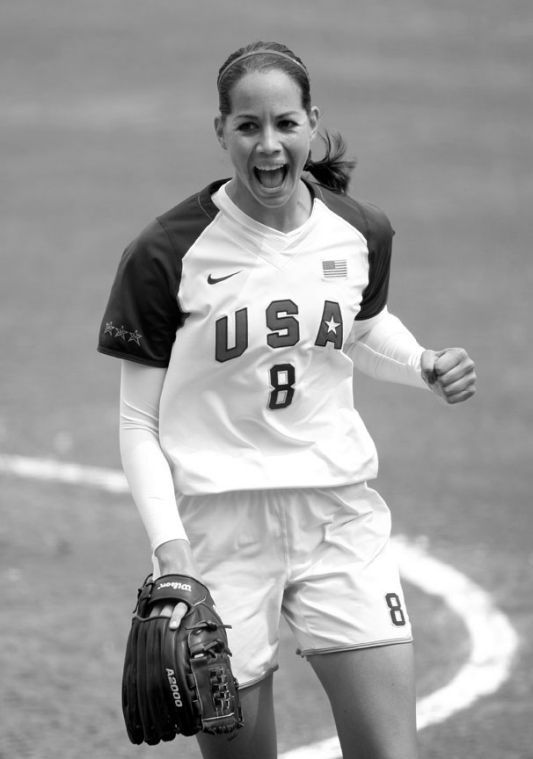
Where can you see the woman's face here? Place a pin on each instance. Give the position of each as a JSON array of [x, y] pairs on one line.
[[268, 136]]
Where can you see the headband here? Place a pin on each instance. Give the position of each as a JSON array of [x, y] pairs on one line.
[[263, 51]]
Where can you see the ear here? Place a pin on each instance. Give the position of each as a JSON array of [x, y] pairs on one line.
[[314, 120], [219, 130]]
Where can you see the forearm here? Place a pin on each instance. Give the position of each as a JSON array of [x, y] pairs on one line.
[[383, 348], [145, 465]]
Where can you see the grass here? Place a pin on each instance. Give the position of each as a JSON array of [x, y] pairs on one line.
[[108, 121]]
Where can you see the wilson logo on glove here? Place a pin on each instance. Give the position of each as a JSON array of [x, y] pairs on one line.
[[175, 586]]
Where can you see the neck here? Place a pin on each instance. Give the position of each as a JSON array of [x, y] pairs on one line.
[[285, 218]]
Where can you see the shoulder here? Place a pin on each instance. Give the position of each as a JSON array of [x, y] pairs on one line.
[[367, 218], [176, 230]]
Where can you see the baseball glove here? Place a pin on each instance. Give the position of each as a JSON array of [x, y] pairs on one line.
[[177, 681]]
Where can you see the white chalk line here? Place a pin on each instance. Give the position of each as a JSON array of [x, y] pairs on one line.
[[51, 470], [493, 640]]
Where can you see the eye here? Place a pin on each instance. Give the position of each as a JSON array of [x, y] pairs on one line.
[[246, 126], [287, 124]]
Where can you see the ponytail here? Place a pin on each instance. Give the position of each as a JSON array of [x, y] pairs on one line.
[[333, 170]]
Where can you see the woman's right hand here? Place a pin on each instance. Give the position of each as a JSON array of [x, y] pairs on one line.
[[175, 558]]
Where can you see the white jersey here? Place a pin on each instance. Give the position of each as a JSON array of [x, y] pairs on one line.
[[251, 324]]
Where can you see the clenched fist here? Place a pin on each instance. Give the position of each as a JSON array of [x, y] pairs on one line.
[[450, 373]]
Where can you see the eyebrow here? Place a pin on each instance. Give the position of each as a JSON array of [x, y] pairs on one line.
[[254, 116]]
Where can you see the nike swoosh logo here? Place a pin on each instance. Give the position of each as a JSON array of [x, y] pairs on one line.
[[215, 280]]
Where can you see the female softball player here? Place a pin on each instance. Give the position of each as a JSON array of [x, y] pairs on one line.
[[239, 316]]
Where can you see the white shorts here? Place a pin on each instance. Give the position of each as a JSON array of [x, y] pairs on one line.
[[320, 557]]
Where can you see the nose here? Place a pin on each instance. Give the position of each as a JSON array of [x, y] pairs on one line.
[[269, 142]]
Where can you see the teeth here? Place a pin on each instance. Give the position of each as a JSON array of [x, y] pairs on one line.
[[271, 176]]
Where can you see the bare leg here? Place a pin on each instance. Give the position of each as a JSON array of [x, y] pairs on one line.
[[372, 696], [257, 738]]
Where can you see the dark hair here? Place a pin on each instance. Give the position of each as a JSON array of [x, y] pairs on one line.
[[333, 170]]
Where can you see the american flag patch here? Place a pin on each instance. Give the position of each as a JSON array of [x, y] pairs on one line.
[[335, 268]]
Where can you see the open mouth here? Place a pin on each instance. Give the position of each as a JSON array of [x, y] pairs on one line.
[[271, 177]]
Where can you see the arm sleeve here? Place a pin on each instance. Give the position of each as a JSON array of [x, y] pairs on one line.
[[383, 348], [146, 468]]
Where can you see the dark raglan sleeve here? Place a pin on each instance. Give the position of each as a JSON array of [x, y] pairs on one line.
[[379, 234], [142, 315]]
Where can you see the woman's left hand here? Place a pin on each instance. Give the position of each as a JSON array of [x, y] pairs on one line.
[[450, 373]]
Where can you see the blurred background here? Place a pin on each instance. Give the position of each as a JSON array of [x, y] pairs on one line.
[[107, 120]]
